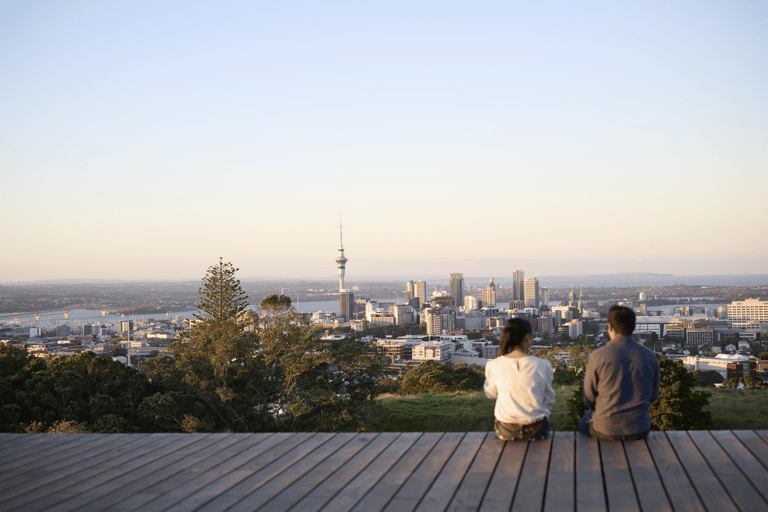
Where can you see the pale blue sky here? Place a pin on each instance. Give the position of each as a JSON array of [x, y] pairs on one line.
[[145, 139]]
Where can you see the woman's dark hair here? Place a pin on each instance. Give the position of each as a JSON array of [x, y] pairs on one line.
[[514, 334]]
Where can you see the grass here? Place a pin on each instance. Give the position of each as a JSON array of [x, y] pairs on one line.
[[461, 411], [732, 409], [737, 409]]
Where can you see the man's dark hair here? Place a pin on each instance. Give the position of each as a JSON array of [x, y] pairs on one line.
[[622, 319], [514, 334]]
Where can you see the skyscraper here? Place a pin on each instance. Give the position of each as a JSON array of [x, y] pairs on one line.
[[408, 291], [518, 287], [531, 292], [489, 294], [456, 288], [341, 261], [421, 292], [347, 305]]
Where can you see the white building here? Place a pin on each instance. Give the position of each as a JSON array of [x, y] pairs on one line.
[[748, 313], [729, 366], [433, 351]]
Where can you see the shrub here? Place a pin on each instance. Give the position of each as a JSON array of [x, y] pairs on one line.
[[434, 377], [679, 406]]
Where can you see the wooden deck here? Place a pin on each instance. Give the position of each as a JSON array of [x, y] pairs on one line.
[[697, 470]]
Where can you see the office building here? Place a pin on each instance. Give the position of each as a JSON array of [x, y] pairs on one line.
[[421, 292], [409, 291], [456, 288], [518, 290], [489, 294], [346, 305], [531, 292], [748, 313]]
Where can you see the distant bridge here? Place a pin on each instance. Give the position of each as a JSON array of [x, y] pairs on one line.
[[65, 312]]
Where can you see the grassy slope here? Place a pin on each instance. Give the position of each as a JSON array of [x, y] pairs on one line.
[[472, 411]]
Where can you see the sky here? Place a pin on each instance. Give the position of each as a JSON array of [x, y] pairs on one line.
[[147, 139]]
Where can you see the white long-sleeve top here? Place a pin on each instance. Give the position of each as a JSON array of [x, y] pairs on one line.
[[522, 387]]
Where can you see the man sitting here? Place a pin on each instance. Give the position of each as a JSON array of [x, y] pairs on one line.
[[620, 383]]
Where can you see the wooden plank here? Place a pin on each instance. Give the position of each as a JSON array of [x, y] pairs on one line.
[[129, 488], [370, 476], [381, 493], [66, 470], [473, 486], [681, 492], [756, 444], [650, 490], [20, 449], [590, 489], [74, 496], [561, 480], [734, 481], [331, 454], [47, 458], [504, 482], [620, 490], [448, 481], [418, 484], [49, 492], [326, 480], [257, 473], [533, 477], [703, 479], [753, 470]]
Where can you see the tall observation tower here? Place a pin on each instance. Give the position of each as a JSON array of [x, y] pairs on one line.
[[341, 261]]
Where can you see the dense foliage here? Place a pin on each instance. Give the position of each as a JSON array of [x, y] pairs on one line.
[[84, 392], [222, 375], [434, 377], [680, 406]]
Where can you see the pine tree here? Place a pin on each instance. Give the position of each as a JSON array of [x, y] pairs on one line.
[[213, 365]]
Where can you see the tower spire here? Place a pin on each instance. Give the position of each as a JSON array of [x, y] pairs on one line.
[[341, 261]]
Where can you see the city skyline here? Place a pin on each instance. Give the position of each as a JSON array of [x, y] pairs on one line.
[[146, 140]]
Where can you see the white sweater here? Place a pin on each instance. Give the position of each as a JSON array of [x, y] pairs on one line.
[[522, 387]]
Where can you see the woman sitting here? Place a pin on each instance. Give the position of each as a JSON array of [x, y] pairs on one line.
[[521, 385]]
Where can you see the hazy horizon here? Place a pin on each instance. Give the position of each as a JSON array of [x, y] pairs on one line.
[[629, 279], [144, 140]]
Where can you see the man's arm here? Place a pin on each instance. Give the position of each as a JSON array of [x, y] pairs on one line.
[[590, 384], [656, 383]]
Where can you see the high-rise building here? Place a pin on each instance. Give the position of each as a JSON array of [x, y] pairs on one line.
[[421, 292], [518, 285], [408, 291], [470, 303], [750, 313], [456, 288], [347, 305], [531, 292], [489, 294], [439, 320], [544, 296]]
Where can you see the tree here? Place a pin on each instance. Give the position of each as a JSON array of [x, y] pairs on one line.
[[435, 377], [679, 406], [706, 378], [211, 366]]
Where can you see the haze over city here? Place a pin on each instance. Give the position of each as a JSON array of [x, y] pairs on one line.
[[144, 140]]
